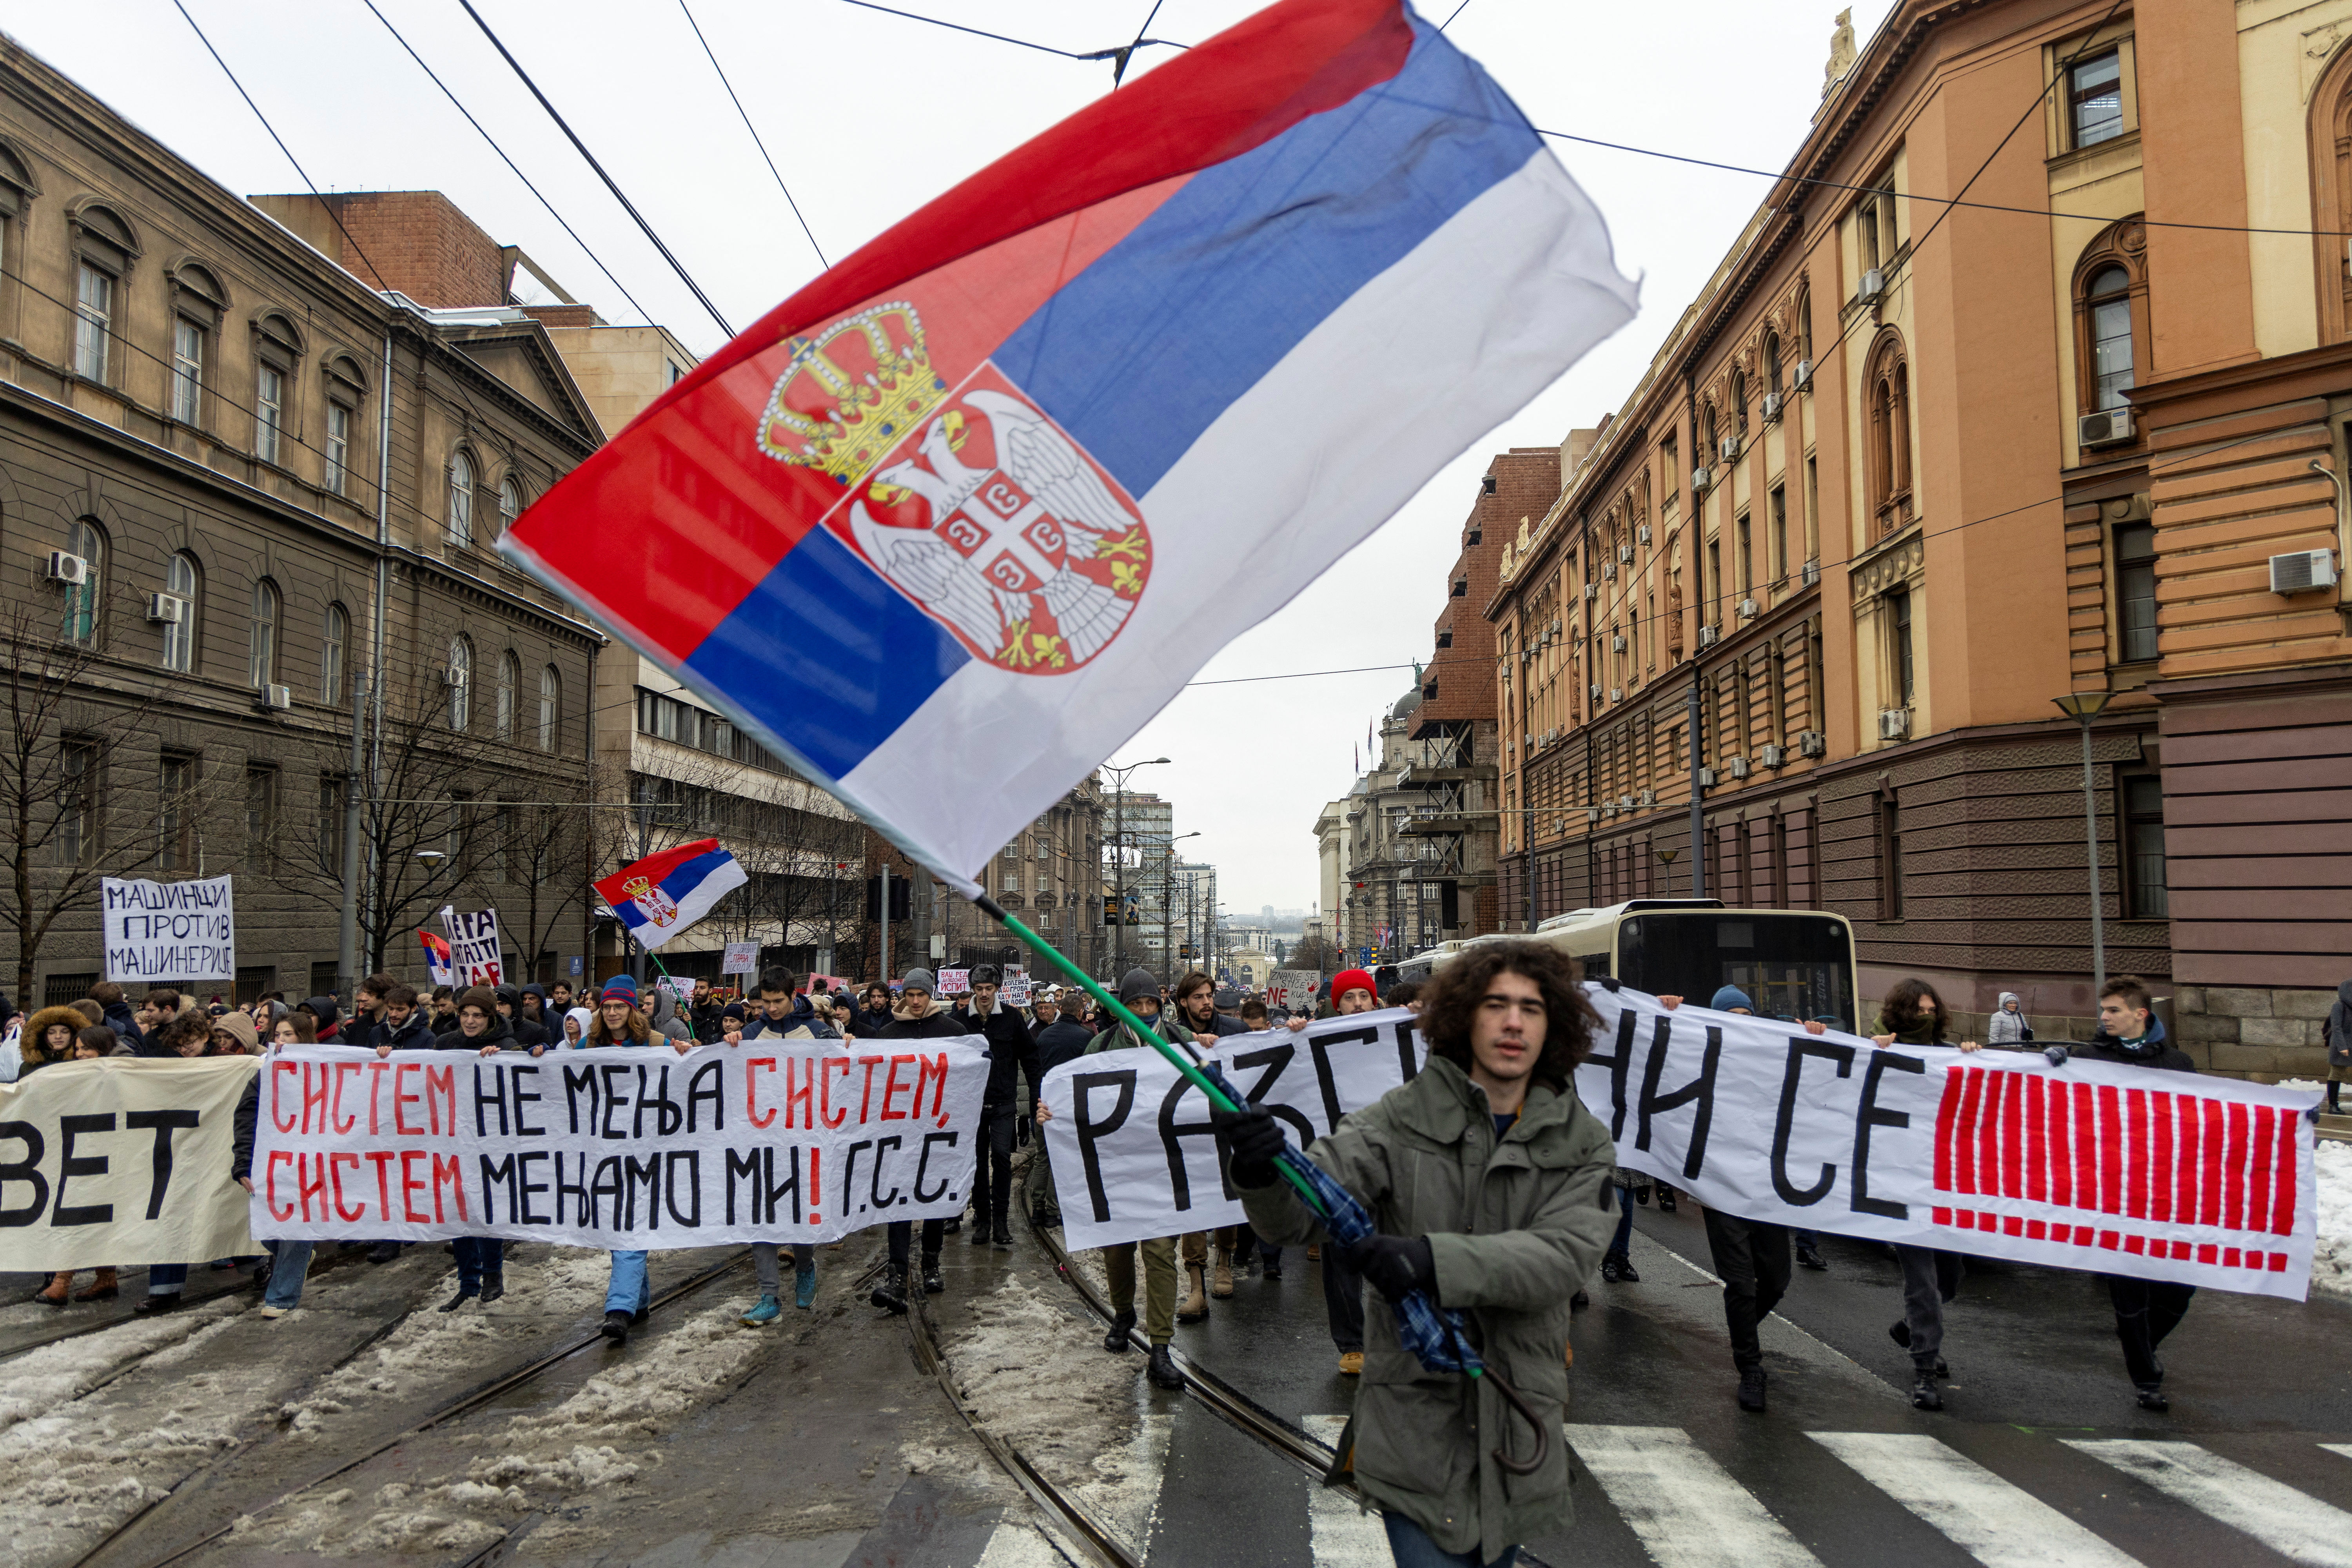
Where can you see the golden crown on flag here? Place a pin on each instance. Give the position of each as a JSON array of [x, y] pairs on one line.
[[851, 393], [638, 887]]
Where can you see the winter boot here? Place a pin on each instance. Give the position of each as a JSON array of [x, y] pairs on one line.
[[1608, 1268], [933, 1283], [1810, 1256], [493, 1287], [1121, 1325], [890, 1292], [1924, 1395], [1002, 1233], [1626, 1272], [1195, 1308], [952, 1227], [1162, 1369], [1220, 1273], [804, 1289], [1751, 1390], [1667, 1205], [979, 1228], [2153, 1399], [105, 1288], [616, 1326], [459, 1299]]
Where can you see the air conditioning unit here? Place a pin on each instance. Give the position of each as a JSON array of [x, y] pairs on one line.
[[1609, 808], [1649, 797], [1773, 756], [1812, 743], [1873, 284], [1624, 803], [1800, 378], [1616, 694], [1894, 723], [1707, 778], [2303, 572], [277, 698], [1617, 644], [67, 568], [2111, 428], [166, 609], [1701, 478], [1748, 608], [1593, 589], [1591, 814], [1738, 766], [1626, 554], [1553, 629], [1771, 406], [1729, 448], [1710, 636], [1643, 534], [1812, 573], [1608, 571], [1596, 693]]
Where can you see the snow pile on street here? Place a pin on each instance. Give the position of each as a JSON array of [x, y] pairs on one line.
[[2331, 1259], [39, 1381], [641, 1397]]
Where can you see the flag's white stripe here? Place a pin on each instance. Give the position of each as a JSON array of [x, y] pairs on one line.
[[1997, 1524], [1687, 1508], [2291, 1524], [1399, 379], [1343, 1536]]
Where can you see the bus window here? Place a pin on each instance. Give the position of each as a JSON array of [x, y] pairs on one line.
[[1791, 966], [1594, 965]]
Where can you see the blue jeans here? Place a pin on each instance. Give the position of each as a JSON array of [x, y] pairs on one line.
[[291, 1264], [1621, 1243], [478, 1255], [165, 1278], [1411, 1547], [628, 1292]]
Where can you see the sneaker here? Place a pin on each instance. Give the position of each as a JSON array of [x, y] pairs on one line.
[[269, 1312], [767, 1309], [2153, 1399], [1626, 1272], [1351, 1364], [1924, 1393], [1751, 1390], [805, 1291], [1667, 1205], [1810, 1256], [616, 1326]]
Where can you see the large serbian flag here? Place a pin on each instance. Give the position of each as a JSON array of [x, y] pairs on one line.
[[961, 515], [661, 895]]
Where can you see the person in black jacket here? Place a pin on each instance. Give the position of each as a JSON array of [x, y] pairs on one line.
[[1010, 1050], [2130, 1035], [525, 1031], [918, 1017], [405, 1026], [118, 1013], [1058, 1038], [872, 1014], [483, 1029]]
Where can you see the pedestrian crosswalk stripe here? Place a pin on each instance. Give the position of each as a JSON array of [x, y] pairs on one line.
[[1999, 1524], [1687, 1510], [1015, 1545], [1344, 1535], [2293, 1524]]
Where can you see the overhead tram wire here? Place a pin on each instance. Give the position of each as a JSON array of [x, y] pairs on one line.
[[610, 183], [435, 77], [754, 130], [1020, 43]]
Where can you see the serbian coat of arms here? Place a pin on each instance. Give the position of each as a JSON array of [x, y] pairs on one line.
[[970, 500], [655, 905]]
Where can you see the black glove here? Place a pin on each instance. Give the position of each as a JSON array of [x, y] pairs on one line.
[[1397, 1266], [1255, 1137], [1612, 985], [2057, 1055]]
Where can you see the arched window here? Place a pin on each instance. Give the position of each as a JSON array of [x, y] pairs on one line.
[[1739, 403], [1888, 392], [2331, 192], [87, 540], [509, 503], [2110, 316], [461, 499], [332, 653], [1713, 443], [2108, 297], [460, 678], [181, 582], [261, 668], [551, 707], [509, 677], [1771, 362]]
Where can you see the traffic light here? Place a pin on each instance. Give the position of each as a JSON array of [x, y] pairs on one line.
[[902, 899]]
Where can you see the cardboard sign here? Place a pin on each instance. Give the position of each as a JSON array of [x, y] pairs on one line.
[[955, 981], [743, 958], [474, 954], [1016, 989], [1293, 988], [157, 932]]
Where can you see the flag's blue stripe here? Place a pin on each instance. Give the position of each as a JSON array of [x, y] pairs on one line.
[[826, 655], [687, 875], [1138, 355]]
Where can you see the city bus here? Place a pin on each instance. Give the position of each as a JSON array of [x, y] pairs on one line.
[[1792, 964]]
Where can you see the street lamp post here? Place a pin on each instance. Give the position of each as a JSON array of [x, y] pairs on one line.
[[1118, 834], [2082, 707]]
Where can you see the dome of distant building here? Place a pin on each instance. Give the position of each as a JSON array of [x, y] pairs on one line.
[[1406, 704]]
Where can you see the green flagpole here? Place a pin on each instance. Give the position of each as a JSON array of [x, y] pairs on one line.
[[1151, 1036]]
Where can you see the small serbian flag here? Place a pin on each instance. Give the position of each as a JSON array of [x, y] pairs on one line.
[[438, 959], [663, 894], [954, 521]]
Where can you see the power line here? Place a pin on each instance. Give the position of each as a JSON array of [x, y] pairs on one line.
[[1111, 53], [610, 183], [509, 163], [1457, 11], [754, 130]]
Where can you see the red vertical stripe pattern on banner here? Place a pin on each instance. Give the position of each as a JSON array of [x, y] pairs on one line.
[[1989, 1133], [1948, 1112], [2111, 1152], [2135, 1151], [2233, 1195], [2258, 1197], [2037, 1139], [2283, 1188], [2062, 1169], [2185, 1210], [2013, 1139], [1964, 1172], [2166, 1113], [2086, 1148], [2209, 1183]]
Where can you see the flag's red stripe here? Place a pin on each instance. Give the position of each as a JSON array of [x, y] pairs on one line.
[[1948, 1111], [2136, 1150], [2160, 1196], [2233, 1197], [2290, 1175], [2012, 1137]]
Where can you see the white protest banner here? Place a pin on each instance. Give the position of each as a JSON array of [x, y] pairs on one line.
[[1132, 1150], [474, 946], [955, 981], [2090, 1165], [743, 958], [119, 1160], [1293, 988], [631, 1147], [1015, 992], [161, 931]]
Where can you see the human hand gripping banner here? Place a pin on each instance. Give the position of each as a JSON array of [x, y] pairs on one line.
[[627, 1148]]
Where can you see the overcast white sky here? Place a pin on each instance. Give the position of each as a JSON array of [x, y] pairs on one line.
[[870, 115]]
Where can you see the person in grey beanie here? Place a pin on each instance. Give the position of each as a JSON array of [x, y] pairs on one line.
[[918, 1017]]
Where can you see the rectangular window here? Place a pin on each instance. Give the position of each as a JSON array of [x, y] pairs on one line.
[[1746, 563], [1670, 459], [330, 826], [2136, 592], [93, 322], [506, 847], [187, 371], [1778, 563], [1712, 586], [268, 412], [1813, 504], [338, 447], [175, 816], [2094, 94], [1900, 664], [2143, 884], [77, 766], [1890, 859], [1874, 226], [260, 818]]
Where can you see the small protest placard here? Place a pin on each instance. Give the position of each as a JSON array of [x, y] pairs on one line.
[[743, 958], [161, 931], [955, 981]]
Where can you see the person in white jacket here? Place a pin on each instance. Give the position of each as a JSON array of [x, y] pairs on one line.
[[2010, 1025]]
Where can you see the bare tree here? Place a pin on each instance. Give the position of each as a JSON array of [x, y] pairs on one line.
[[1313, 952]]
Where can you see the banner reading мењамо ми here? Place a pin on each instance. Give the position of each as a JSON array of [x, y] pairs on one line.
[[631, 1147]]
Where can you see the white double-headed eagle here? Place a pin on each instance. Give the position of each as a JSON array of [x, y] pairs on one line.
[[956, 587]]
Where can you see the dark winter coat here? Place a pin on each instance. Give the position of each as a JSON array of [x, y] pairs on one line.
[[937, 1024], [1009, 1049], [793, 1025], [1060, 1041], [249, 1116], [1515, 1225], [125, 1024], [416, 1035], [2153, 1051], [498, 1034], [709, 1022], [325, 1009]]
